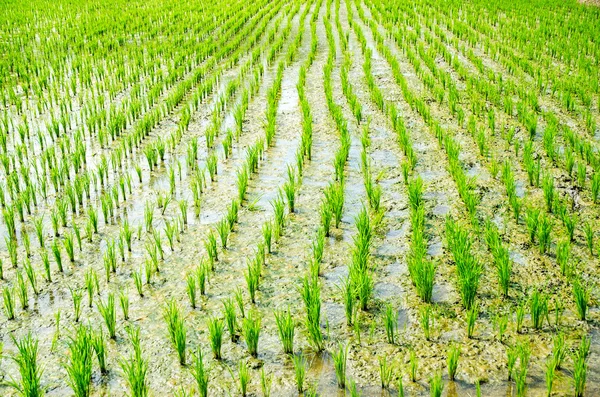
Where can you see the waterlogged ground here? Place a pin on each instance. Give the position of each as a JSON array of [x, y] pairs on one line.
[[483, 357]]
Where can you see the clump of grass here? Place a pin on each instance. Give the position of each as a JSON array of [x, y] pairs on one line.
[[109, 314], [299, 371], [200, 373], [176, 327], [79, 364], [251, 330], [136, 367], [339, 363], [26, 359], [452, 360], [215, 335], [286, 328]]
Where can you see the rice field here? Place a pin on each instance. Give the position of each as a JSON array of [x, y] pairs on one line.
[[301, 197]]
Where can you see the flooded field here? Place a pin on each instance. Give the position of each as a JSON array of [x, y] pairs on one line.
[[304, 197]]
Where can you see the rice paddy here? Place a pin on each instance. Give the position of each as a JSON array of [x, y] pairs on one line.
[[303, 197]]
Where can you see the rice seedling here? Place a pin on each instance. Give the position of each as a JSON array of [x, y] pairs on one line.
[[286, 328], [267, 232], [339, 358], [252, 276], [69, 247], [215, 335], [77, 297], [251, 331], [290, 188], [137, 280], [588, 230], [177, 330], [223, 230], [581, 296], [239, 299], [79, 365], [22, 291], [436, 385], [391, 323], [413, 366], [334, 196], [200, 373], [99, 346], [385, 372], [57, 255], [311, 295], [109, 314], [124, 303], [299, 371], [468, 268], [538, 304], [544, 233], [265, 383], [426, 319], [580, 367], [202, 273], [550, 375], [136, 368], [31, 276], [29, 369], [326, 216], [210, 244], [472, 315], [9, 303], [231, 319], [243, 377], [191, 288]]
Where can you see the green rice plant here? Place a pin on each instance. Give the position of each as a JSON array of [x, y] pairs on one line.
[[520, 315], [512, 353], [26, 359], [210, 244], [202, 272], [9, 303], [472, 315], [581, 296], [170, 230], [176, 327], [211, 165], [243, 377], [265, 383], [544, 233], [385, 372], [1, 270], [311, 295], [137, 281], [339, 363], [124, 303], [549, 191], [503, 268], [232, 214], [223, 230], [279, 214], [136, 368], [99, 346], [550, 375], [501, 325], [347, 292], [69, 247], [239, 299], [77, 296], [191, 288], [11, 246], [252, 276], [200, 373], [79, 364], [436, 385], [242, 183], [538, 304], [215, 335], [289, 188], [22, 291], [57, 256], [413, 365], [46, 264], [231, 319], [570, 221], [391, 323], [426, 319], [183, 206], [38, 224], [267, 232], [452, 360], [326, 216], [251, 331], [559, 350], [109, 314], [468, 268], [400, 386], [299, 371], [286, 328], [580, 367], [31, 276], [588, 230], [334, 196], [532, 216], [563, 256]]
